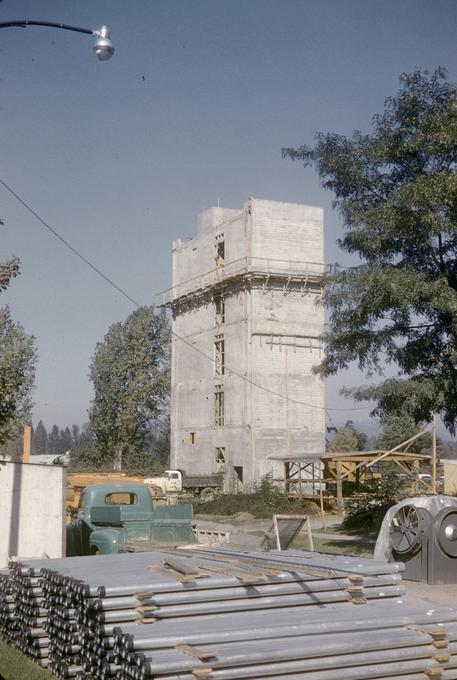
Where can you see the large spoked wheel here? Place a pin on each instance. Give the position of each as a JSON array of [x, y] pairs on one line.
[[446, 531], [406, 529]]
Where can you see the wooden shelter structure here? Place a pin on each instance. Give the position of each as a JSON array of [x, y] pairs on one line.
[[310, 474], [354, 465]]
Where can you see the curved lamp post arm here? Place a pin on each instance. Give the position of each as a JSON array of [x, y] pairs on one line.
[[103, 48]]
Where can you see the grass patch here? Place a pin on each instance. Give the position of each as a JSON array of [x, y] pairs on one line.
[[322, 545], [357, 533], [15, 666]]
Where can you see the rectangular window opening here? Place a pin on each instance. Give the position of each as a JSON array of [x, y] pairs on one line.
[[219, 405], [192, 437], [220, 455], [220, 249], [219, 305], [219, 355]]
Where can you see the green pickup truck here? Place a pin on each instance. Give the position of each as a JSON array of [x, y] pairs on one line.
[[120, 517]]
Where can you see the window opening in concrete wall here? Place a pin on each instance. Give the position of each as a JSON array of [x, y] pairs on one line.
[[220, 454], [192, 437], [218, 405], [238, 470], [220, 249], [219, 305], [219, 355]]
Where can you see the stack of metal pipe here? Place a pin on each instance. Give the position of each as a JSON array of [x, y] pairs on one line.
[[224, 615], [23, 613], [7, 606]]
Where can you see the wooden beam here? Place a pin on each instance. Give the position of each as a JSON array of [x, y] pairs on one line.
[[27, 444], [387, 453]]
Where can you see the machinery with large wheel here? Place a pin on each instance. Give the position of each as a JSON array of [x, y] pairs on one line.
[[425, 542], [443, 550], [409, 533]]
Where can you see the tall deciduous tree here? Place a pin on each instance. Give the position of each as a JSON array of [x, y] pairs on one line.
[[17, 364], [396, 190], [130, 374]]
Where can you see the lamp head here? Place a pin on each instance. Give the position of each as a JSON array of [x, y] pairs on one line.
[[103, 48]]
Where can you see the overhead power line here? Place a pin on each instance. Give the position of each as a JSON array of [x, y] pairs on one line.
[[120, 290]]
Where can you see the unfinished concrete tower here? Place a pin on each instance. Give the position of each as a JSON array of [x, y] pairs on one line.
[[247, 334]]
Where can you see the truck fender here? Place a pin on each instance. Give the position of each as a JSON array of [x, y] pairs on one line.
[[104, 541]]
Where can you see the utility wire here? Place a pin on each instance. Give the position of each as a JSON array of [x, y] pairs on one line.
[[137, 304], [69, 246]]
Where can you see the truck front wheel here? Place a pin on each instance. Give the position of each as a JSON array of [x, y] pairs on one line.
[[207, 494]]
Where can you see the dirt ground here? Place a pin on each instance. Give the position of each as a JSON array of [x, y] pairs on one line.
[[437, 594]]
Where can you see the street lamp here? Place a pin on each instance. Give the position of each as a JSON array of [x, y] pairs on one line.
[[102, 48]]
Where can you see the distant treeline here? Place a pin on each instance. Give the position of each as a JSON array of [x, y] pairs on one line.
[[59, 441]]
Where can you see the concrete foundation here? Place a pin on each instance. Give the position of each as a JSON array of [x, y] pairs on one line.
[[247, 328]]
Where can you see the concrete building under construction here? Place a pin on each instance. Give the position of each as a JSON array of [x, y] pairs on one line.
[[246, 336]]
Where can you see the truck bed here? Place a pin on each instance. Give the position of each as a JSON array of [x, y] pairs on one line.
[[201, 480]]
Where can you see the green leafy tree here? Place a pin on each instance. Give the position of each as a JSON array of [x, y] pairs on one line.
[[397, 428], [130, 374], [344, 440], [362, 437], [17, 374], [17, 364], [396, 190], [89, 457]]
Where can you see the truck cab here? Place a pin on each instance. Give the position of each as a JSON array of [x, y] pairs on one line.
[[170, 482], [120, 517]]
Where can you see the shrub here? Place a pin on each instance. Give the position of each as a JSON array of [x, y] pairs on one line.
[[263, 500], [366, 511]]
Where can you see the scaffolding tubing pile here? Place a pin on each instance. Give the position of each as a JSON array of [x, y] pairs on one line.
[[218, 614]]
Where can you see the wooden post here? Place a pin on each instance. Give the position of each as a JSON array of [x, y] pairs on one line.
[[321, 494], [339, 486], [27, 444], [434, 453], [415, 483]]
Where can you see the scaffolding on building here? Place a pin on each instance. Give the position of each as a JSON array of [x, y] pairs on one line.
[[289, 275]]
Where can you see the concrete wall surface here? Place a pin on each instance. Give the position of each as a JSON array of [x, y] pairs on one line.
[[269, 276], [32, 511]]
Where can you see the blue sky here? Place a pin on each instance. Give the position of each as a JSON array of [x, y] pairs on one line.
[[199, 98]]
